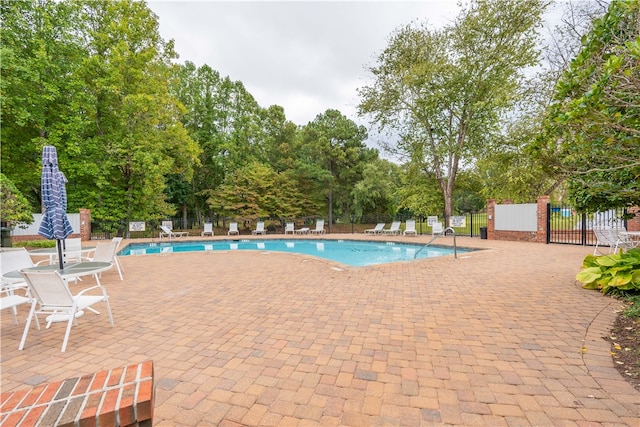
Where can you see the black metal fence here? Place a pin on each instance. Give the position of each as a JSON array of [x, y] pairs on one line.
[[566, 226], [464, 225]]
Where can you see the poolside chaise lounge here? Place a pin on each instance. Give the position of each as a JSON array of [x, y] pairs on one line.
[[233, 228], [436, 228], [259, 228], [394, 229], [410, 227], [377, 230], [208, 229], [289, 228], [167, 232], [319, 227]]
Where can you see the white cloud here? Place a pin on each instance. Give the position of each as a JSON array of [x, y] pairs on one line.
[[304, 56]]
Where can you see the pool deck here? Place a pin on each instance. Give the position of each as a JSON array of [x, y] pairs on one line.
[[503, 336]]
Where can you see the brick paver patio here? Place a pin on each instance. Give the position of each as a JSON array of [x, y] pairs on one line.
[[503, 336]]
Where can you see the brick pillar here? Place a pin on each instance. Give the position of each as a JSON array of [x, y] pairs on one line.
[[85, 224], [541, 233], [633, 224], [491, 218]]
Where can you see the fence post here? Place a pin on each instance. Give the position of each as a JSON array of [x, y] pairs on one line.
[[544, 230]]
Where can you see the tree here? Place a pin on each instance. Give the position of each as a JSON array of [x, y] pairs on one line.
[[591, 133], [256, 191], [40, 51], [376, 191], [14, 207], [446, 92], [334, 145], [134, 138]]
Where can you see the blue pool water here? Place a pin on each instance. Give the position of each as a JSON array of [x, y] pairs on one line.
[[351, 252]]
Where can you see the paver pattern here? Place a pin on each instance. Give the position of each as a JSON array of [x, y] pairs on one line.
[[502, 336]]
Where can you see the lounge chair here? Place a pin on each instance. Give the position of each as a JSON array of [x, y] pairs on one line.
[[303, 230], [436, 228], [52, 297], [319, 227], [394, 229], [289, 228], [259, 228], [377, 230], [233, 228], [167, 232], [208, 229], [410, 227]]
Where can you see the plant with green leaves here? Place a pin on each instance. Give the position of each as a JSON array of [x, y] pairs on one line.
[[611, 273], [14, 207], [447, 92]]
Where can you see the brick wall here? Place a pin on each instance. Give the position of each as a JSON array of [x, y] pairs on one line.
[[118, 397]]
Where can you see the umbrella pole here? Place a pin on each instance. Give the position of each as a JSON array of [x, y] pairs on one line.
[[60, 253]]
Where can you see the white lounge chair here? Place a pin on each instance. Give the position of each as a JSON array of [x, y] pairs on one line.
[[289, 228], [410, 227], [208, 229], [52, 297], [259, 228], [233, 228], [303, 230], [394, 229], [319, 227], [167, 232], [436, 228], [377, 230]]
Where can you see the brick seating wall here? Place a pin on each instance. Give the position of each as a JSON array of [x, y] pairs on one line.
[[117, 397]]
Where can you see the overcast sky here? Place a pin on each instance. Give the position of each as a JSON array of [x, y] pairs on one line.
[[306, 56]]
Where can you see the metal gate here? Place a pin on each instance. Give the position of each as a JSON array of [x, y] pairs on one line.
[[566, 226]]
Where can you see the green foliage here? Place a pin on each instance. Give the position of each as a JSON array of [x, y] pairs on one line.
[[633, 310], [447, 91], [14, 207], [591, 134], [35, 244], [619, 272]]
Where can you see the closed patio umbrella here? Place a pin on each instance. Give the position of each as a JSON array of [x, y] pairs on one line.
[[55, 223]]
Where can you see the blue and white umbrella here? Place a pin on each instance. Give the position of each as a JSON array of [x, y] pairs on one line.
[[55, 223]]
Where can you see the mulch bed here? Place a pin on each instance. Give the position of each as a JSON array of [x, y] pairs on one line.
[[625, 348]]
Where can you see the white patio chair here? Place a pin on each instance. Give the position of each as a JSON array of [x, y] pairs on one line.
[[614, 238], [394, 229], [208, 229], [51, 296], [15, 260], [118, 240], [410, 227], [233, 228], [106, 252], [259, 228], [10, 300], [377, 230], [319, 227]]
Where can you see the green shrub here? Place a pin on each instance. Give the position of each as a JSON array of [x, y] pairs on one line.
[[35, 244], [612, 273]]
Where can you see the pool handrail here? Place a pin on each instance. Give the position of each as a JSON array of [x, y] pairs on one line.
[[435, 236]]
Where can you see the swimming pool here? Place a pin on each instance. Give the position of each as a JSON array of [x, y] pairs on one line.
[[351, 252]]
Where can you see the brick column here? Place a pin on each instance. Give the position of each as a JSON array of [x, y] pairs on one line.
[[85, 224], [541, 233], [491, 218], [633, 224]]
